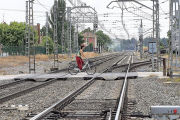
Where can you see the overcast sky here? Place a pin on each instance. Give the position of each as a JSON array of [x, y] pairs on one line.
[[14, 10]]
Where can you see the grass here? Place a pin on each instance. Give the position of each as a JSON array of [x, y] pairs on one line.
[[152, 75], [13, 61], [3, 72], [165, 56], [174, 80]]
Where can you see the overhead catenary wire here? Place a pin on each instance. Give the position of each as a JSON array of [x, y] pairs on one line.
[[16, 10], [43, 5]]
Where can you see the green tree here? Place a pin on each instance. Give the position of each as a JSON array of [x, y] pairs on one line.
[[13, 34], [103, 38], [87, 30], [80, 39], [60, 10], [161, 45], [91, 44], [50, 43], [50, 31]]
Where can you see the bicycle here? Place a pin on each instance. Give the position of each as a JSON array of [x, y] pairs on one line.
[[90, 69]]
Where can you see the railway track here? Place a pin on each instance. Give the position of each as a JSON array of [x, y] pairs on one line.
[[118, 115], [16, 89], [96, 62], [56, 110], [64, 108], [11, 94], [126, 101]]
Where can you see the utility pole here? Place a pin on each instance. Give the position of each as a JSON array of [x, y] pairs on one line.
[[77, 43], [47, 41], [69, 31], [55, 36], [63, 37], [169, 51], [31, 45], [175, 32], [157, 33], [74, 37], [156, 29], [141, 39], [26, 32]]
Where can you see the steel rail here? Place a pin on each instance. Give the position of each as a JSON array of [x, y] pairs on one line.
[[115, 67], [17, 94], [121, 100], [11, 84], [14, 95], [60, 104], [139, 65]]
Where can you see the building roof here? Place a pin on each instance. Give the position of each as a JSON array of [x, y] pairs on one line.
[[89, 34]]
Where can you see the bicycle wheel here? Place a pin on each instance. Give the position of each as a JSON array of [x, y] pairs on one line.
[[90, 70], [73, 70]]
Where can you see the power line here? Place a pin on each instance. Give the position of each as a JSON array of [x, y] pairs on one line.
[[22, 10], [162, 10], [42, 5]]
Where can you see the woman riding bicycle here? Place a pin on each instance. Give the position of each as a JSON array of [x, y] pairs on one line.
[[79, 56]]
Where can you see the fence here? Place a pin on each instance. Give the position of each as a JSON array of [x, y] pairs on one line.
[[88, 49], [20, 50]]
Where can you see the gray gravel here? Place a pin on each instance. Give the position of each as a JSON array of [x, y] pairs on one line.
[[39, 100], [41, 67], [101, 95], [3, 82], [17, 88], [104, 65], [151, 91], [122, 69]]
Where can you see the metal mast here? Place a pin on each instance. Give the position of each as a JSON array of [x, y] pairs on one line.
[[175, 32], [156, 29], [157, 33], [74, 38], [141, 39], [63, 38], [77, 42], [55, 36], [69, 31], [31, 46], [47, 41], [26, 32]]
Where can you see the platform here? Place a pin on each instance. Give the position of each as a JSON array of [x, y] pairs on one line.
[[85, 76]]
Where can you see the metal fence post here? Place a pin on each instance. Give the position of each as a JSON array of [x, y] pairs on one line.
[[164, 66]]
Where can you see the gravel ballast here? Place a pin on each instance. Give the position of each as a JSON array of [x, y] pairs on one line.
[[101, 95], [3, 82], [41, 67], [39, 100], [152, 91], [17, 88]]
